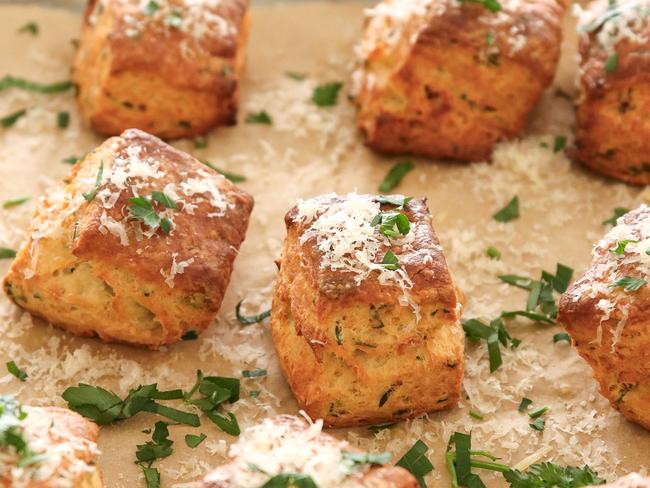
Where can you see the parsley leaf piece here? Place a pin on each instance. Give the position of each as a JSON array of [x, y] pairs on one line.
[[492, 5], [562, 278], [166, 225], [250, 319], [390, 261], [151, 7], [261, 117], [11, 431], [509, 212], [159, 447], [166, 201], [62, 120], [190, 335], [16, 371], [9, 81], [494, 334], [547, 475], [6, 253], [476, 415], [516, 280], [326, 95], [397, 200], [416, 462], [395, 175], [290, 480], [629, 283], [559, 143], [253, 373], [562, 336], [525, 403], [9, 120], [493, 253], [226, 423], [621, 245], [90, 196], [71, 160], [193, 441], [392, 224], [538, 412], [538, 424], [200, 142], [14, 202], [295, 75], [612, 63], [235, 178], [29, 28], [151, 476], [617, 213], [142, 209], [350, 459]]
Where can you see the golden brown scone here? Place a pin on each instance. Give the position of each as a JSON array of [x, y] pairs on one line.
[[287, 444], [609, 323], [633, 480], [613, 129], [93, 268], [60, 443], [170, 67], [360, 343], [449, 79]]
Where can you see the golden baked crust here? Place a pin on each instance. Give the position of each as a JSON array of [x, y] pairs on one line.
[[92, 269], [609, 325], [449, 79], [632, 480], [170, 67], [613, 130], [51, 430], [361, 349], [291, 445]]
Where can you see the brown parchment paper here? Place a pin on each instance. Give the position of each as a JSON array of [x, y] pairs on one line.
[[310, 151]]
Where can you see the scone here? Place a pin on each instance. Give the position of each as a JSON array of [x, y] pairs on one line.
[[287, 445], [449, 79], [60, 448], [170, 67], [613, 129], [633, 480], [136, 246], [606, 314], [365, 311]]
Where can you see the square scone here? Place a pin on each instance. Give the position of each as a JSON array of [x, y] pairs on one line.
[[613, 129], [170, 67], [606, 314], [448, 79], [365, 311], [137, 245]]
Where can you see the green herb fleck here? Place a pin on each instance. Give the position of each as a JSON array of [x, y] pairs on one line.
[[9, 81], [253, 373], [16, 371], [250, 319], [390, 261], [618, 212], [415, 461], [559, 143], [14, 202], [11, 119], [476, 415], [29, 28], [62, 119], [493, 253], [193, 441], [509, 212], [235, 178], [261, 117], [561, 336], [71, 160], [395, 175], [629, 283], [326, 95], [190, 335], [294, 75], [6, 253], [612, 63], [525, 403]]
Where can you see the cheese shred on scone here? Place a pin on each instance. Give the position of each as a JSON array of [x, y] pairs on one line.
[[633, 480], [606, 314], [170, 67], [46, 448], [449, 79], [288, 448], [613, 128], [137, 245], [365, 311]]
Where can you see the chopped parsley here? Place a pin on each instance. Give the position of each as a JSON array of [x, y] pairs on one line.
[[213, 392], [9, 81], [525, 403], [290, 480], [231, 176], [200, 142], [142, 209], [14, 202], [492, 5], [395, 176], [559, 143], [390, 261], [550, 475], [476, 415], [295, 75], [326, 95], [151, 7], [193, 441], [253, 373], [493, 253], [90, 196], [249, 319], [261, 117], [538, 412], [11, 432], [629, 283], [617, 213], [415, 461], [612, 63], [16, 371], [71, 160], [151, 476], [621, 245], [494, 334], [158, 447], [6, 253], [190, 335], [9, 120], [29, 28], [561, 336], [392, 224], [62, 119], [160, 197], [538, 424], [351, 459], [509, 212]]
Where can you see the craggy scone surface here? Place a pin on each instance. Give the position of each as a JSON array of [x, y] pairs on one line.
[[310, 151]]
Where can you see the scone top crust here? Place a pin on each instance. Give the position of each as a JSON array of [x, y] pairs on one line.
[[288, 444], [342, 252], [187, 42], [527, 32], [63, 443], [596, 307], [206, 230], [618, 34]]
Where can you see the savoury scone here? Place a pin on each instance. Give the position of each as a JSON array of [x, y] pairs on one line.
[[449, 79], [46, 448], [613, 128], [170, 67], [365, 311], [606, 314], [284, 447], [136, 246], [633, 480]]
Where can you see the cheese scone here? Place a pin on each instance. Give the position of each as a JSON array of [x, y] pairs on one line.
[[606, 314], [47, 448], [449, 79], [633, 480], [365, 311], [613, 129], [170, 67], [137, 245], [288, 446]]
